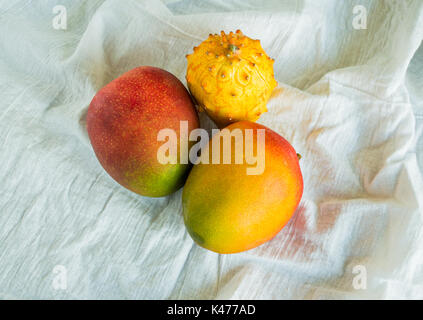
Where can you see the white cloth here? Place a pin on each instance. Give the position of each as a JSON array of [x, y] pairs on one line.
[[350, 101]]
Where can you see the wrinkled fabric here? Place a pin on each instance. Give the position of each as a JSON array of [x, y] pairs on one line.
[[350, 102]]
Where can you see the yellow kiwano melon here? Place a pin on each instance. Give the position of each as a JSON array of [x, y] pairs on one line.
[[230, 77]]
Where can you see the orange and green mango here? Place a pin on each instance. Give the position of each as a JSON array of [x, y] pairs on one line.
[[123, 123], [227, 210]]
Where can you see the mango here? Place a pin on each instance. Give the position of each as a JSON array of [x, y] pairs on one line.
[[227, 210], [123, 122]]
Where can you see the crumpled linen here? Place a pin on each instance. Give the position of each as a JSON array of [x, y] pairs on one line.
[[349, 101]]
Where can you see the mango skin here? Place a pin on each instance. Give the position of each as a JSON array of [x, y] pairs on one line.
[[227, 211], [123, 121]]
